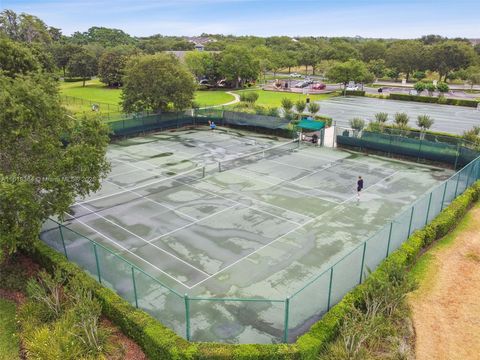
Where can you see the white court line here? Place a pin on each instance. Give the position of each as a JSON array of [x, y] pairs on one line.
[[280, 237], [368, 187], [282, 182], [145, 197], [129, 251], [123, 173], [285, 164], [239, 203], [193, 223], [139, 237]]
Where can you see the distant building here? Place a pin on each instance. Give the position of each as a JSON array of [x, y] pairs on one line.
[[199, 47]]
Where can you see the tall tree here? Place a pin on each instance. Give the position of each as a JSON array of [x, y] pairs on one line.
[[24, 27], [406, 56], [111, 67], [83, 65], [39, 175], [449, 56], [373, 50], [239, 65], [62, 53], [156, 83], [352, 70], [16, 58]]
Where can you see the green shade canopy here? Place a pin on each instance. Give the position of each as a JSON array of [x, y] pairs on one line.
[[311, 125]]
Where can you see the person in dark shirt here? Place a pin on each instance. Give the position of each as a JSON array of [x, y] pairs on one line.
[[359, 187]]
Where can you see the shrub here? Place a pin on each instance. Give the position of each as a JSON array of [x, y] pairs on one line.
[[424, 122], [355, 92], [272, 111], [287, 104], [381, 117], [443, 87], [430, 88], [419, 75], [313, 108], [357, 124], [47, 293], [249, 96], [434, 100], [300, 106], [401, 119], [327, 119], [420, 86]]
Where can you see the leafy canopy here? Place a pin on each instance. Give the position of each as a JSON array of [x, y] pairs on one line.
[[156, 83]]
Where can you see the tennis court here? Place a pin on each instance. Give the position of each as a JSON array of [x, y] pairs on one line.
[[448, 118], [222, 227]]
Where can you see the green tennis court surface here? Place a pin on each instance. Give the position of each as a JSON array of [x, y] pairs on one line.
[[253, 234]]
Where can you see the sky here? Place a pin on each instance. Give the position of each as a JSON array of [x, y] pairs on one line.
[[366, 18]]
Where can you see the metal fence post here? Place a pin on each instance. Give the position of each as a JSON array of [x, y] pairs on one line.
[[330, 288], [428, 208], [443, 197], [98, 264], [456, 186], [456, 156], [411, 218], [63, 241], [363, 261], [287, 314], [187, 317], [134, 287], [389, 238]]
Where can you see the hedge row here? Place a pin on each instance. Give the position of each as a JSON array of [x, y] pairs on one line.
[[435, 100], [159, 342], [355, 92]]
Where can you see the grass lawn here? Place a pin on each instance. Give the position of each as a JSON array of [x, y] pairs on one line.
[[96, 92], [9, 345], [274, 99], [212, 97]]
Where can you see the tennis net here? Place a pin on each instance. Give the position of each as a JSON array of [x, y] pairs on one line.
[[257, 155]]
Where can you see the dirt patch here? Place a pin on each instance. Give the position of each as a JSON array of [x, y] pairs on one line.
[[446, 307]]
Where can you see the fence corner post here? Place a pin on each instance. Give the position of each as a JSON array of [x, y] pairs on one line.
[[97, 262], [187, 316], [389, 238], [428, 208], [287, 315], [363, 262], [134, 287], [410, 225], [330, 289]]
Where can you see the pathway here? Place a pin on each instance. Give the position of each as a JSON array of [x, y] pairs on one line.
[[236, 100]]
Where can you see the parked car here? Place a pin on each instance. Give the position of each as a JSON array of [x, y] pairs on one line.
[[294, 75], [319, 86], [302, 84], [222, 83], [204, 82]]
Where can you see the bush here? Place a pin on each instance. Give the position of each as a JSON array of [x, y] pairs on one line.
[[287, 104], [75, 79], [313, 108], [443, 87], [327, 119], [430, 88], [300, 106], [357, 124], [401, 119], [424, 122], [355, 92], [420, 86], [249, 97], [419, 75], [381, 117], [272, 111]]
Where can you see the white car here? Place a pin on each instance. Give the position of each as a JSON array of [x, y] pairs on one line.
[[352, 88], [294, 75]]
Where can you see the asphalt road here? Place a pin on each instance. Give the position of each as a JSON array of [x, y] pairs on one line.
[[452, 119]]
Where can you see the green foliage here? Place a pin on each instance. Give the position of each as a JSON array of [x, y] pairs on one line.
[[272, 111], [238, 65], [355, 92], [434, 100], [156, 83], [473, 135], [300, 106], [430, 88], [24, 28], [357, 124], [16, 58], [287, 104], [39, 175], [313, 108], [420, 86], [401, 119], [381, 117], [111, 67], [424, 122], [82, 64], [442, 87], [47, 293], [351, 70], [103, 36], [419, 75], [62, 53], [327, 119], [450, 55], [249, 97], [406, 56], [9, 342]]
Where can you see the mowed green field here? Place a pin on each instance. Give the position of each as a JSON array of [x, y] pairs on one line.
[[95, 91], [274, 98], [9, 344]]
